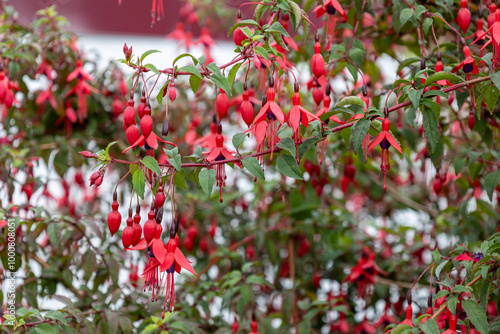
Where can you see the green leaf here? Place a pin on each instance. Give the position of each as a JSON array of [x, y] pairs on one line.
[[242, 23], [195, 83], [288, 144], [306, 145], [459, 164], [287, 165], [277, 27], [452, 304], [147, 53], [490, 182], [139, 182], [411, 116], [476, 315], [151, 164], [405, 16], [440, 294], [495, 77], [233, 72], [350, 100], [180, 180], [159, 97], [490, 96], [297, 14], [238, 139], [427, 24], [431, 127], [45, 329], [206, 178], [152, 68], [415, 96], [400, 329], [191, 69], [263, 52], [360, 131], [430, 327], [56, 315], [436, 256], [442, 76], [253, 167], [179, 57]]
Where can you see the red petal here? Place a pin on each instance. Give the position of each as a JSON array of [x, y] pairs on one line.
[[463, 257], [260, 132], [393, 142], [169, 259], [214, 154], [139, 142], [152, 140], [339, 8], [280, 115], [261, 114], [183, 262], [159, 250], [142, 244], [376, 141], [294, 118]]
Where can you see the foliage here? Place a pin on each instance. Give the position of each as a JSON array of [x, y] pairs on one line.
[[303, 235]]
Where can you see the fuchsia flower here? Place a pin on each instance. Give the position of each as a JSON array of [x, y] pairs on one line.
[[385, 139], [264, 123], [453, 325], [364, 327], [494, 38], [81, 89], [330, 7], [364, 272], [46, 95], [164, 258], [297, 115], [218, 153]]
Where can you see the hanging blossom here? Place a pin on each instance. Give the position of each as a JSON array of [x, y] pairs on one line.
[[164, 260], [330, 7], [385, 139], [494, 38], [81, 89], [364, 272], [297, 115], [268, 121], [219, 153]]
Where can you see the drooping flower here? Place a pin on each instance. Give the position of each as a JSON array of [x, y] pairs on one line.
[[81, 89], [173, 261], [364, 272], [385, 139], [298, 115], [330, 7], [494, 38], [219, 153], [268, 120], [463, 17]]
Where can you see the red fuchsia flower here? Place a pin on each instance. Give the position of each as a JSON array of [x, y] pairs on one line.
[[220, 153], [235, 326], [81, 89], [174, 261], [330, 7], [133, 276], [341, 325], [317, 60], [491, 17], [208, 140], [266, 120], [45, 69], [327, 100], [494, 37], [441, 83], [246, 107], [178, 32], [148, 136], [463, 17], [364, 272], [453, 325], [46, 95], [365, 327], [254, 327], [387, 318], [205, 38], [385, 139], [409, 312], [298, 115]]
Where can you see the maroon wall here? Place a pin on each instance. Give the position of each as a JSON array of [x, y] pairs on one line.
[[105, 16]]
